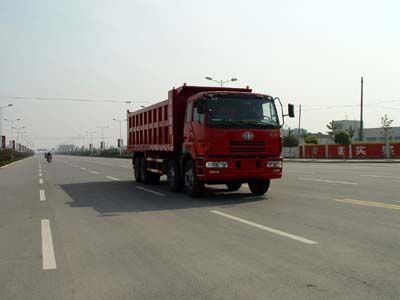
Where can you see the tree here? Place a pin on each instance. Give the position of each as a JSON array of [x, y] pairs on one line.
[[310, 139], [386, 125], [342, 138], [332, 129], [351, 132], [387, 128], [290, 141]]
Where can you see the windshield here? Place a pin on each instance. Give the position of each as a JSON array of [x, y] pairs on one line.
[[257, 112]]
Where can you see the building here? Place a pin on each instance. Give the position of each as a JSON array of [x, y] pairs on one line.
[[376, 134]]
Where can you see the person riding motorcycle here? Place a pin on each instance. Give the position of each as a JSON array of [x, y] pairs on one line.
[[48, 156]]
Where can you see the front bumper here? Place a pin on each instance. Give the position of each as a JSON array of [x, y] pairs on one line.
[[239, 169]]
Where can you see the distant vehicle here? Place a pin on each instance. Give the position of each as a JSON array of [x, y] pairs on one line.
[[48, 157], [208, 135]]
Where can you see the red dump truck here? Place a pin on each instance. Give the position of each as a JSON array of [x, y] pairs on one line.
[[208, 135]]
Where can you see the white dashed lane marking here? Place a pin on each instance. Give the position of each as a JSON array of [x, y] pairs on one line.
[[328, 181], [269, 229], [49, 259], [42, 195]]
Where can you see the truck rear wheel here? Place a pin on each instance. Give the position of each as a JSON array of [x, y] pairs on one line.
[[193, 186], [233, 186], [174, 176], [136, 169], [145, 176], [259, 187]]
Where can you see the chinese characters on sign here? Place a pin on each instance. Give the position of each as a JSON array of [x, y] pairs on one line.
[[361, 150]]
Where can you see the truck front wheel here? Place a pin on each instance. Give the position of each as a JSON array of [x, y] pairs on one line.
[[259, 187], [174, 176], [193, 186]]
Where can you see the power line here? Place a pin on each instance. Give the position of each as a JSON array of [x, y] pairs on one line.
[[72, 99]]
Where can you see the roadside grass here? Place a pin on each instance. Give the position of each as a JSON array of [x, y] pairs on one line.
[[8, 156]]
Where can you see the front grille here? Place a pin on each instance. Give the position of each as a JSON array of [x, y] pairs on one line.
[[247, 146], [247, 143]]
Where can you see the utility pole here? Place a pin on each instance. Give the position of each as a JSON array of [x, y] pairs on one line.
[[298, 130], [361, 110]]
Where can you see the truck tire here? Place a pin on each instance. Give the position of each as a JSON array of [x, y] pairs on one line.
[[233, 186], [259, 187], [136, 169], [145, 177], [174, 176], [193, 186]]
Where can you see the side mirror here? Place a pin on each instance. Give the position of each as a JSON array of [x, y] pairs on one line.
[[200, 106], [291, 110]]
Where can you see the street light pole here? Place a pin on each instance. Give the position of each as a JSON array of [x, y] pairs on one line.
[[18, 132], [91, 138], [221, 82], [83, 140], [102, 143], [120, 133], [12, 125], [1, 119]]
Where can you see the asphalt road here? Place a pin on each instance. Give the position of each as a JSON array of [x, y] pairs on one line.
[[81, 228]]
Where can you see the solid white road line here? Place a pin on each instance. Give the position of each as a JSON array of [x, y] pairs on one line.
[[42, 195], [301, 172], [41, 181], [94, 172], [328, 181], [150, 191], [113, 178], [381, 176], [49, 259], [269, 229]]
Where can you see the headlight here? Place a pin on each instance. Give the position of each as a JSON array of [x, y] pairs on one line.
[[274, 164], [216, 164]]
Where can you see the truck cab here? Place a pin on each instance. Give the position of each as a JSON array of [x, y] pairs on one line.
[[231, 138]]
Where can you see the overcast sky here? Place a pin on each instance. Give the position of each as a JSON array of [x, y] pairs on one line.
[[306, 52]]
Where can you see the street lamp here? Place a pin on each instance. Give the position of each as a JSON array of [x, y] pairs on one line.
[[91, 138], [18, 131], [102, 143], [221, 82], [12, 125], [1, 118], [120, 132], [83, 140]]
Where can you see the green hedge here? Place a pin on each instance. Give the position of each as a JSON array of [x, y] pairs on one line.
[[8, 156]]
